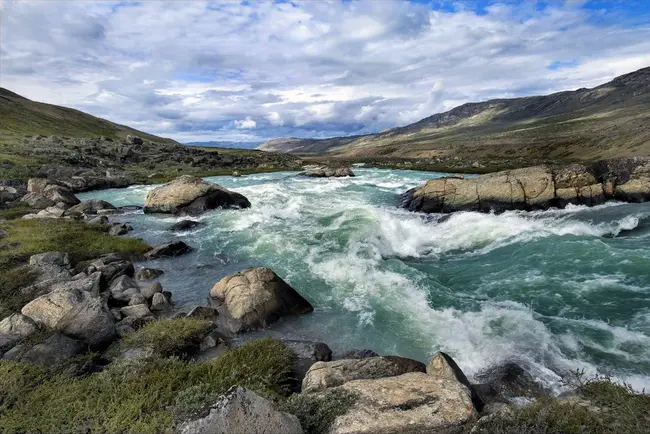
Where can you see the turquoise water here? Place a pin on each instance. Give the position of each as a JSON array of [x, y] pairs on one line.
[[557, 290]]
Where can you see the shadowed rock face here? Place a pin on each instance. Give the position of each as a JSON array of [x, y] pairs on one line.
[[192, 195], [532, 188]]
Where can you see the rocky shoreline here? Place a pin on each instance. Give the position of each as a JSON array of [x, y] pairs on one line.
[[107, 307]]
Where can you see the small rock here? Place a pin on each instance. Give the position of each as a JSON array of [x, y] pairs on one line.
[[159, 303], [148, 273], [184, 225], [138, 311], [119, 229], [150, 291], [168, 250]]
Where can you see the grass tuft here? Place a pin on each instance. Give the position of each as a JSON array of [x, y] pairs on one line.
[[169, 336], [317, 412]]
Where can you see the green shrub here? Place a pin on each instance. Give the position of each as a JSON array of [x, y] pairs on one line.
[[150, 396], [317, 412], [170, 336]]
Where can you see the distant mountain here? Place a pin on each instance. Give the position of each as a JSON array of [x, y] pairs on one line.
[[225, 144], [607, 121], [23, 116]]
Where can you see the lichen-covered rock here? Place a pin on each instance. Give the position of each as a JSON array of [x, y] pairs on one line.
[[255, 298], [192, 195], [412, 403], [442, 365], [138, 311], [145, 273], [241, 411], [324, 375], [18, 325], [123, 288], [159, 303]]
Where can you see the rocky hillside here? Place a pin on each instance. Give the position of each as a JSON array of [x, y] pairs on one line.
[[43, 140], [611, 120]]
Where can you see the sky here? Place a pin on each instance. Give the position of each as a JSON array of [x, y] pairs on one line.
[[252, 71]]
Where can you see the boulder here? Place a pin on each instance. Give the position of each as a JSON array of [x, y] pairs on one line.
[[60, 194], [123, 288], [241, 411], [18, 326], [168, 250], [75, 313], [90, 207], [255, 298], [119, 229], [137, 299], [98, 220], [37, 185], [7, 342], [51, 265], [138, 311], [37, 201], [184, 225], [159, 303], [112, 267], [329, 172], [324, 375], [411, 403], [442, 365], [134, 140], [150, 291], [504, 382], [90, 322], [192, 195], [145, 273], [51, 212], [54, 351], [307, 353]]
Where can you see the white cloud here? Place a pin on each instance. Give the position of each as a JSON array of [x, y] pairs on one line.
[[245, 124], [209, 70]]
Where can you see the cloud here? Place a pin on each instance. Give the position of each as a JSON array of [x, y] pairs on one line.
[[259, 70], [245, 124]]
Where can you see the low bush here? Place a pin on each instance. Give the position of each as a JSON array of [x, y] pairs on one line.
[[317, 412], [170, 336], [147, 396]]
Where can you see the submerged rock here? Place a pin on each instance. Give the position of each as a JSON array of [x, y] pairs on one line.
[[241, 411], [255, 298], [184, 225], [168, 250], [192, 195]]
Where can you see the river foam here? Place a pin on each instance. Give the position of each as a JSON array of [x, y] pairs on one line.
[[555, 290]]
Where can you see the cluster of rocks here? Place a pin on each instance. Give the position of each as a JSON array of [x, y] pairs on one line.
[[539, 187], [86, 307], [328, 172]]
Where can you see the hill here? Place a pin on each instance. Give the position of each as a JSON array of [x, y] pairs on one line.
[[45, 140], [611, 120], [226, 144], [23, 116]]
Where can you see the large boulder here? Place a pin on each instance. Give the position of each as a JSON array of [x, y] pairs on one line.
[[241, 411], [324, 375], [74, 312], [443, 366], [255, 298], [43, 193], [412, 403], [329, 172], [90, 207], [54, 351], [192, 195]]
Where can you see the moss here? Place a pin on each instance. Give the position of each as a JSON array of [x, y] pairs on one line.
[[150, 396], [29, 237], [169, 337], [317, 412]]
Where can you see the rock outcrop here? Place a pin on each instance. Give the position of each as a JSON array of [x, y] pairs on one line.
[[255, 298], [532, 188], [241, 411], [192, 195], [324, 375], [328, 172]]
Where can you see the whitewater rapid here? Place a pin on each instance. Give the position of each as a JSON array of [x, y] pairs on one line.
[[556, 290]]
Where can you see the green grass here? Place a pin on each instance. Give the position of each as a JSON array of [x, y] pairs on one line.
[[144, 397], [169, 337], [29, 237], [612, 409], [317, 412], [15, 212], [12, 280]]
